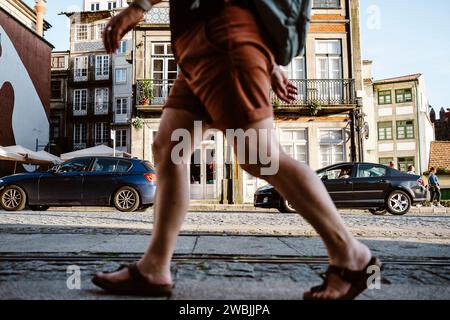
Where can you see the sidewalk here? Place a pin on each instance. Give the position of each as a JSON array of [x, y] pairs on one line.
[[212, 207], [222, 278]]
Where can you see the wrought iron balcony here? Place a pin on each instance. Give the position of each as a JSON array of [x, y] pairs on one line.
[[96, 109], [327, 93], [88, 75]]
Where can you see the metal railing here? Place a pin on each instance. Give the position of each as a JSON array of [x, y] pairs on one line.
[[91, 109], [90, 74], [325, 92]]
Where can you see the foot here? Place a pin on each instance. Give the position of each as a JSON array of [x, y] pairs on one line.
[[336, 287], [153, 275]]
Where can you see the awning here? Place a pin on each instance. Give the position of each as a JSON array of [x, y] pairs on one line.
[[29, 157], [98, 151], [7, 155]]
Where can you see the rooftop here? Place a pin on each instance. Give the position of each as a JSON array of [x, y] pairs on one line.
[[411, 77], [439, 154]]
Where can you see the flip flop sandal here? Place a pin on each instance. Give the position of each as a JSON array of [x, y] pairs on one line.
[[135, 285], [357, 280]]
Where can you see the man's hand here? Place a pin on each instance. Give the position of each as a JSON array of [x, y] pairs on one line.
[[285, 90], [119, 26]]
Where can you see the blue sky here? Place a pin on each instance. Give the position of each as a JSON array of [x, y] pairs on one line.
[[400, 36]]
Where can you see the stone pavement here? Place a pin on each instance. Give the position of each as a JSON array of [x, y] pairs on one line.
[[221, 278]]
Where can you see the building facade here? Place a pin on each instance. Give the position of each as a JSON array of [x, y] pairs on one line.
[[442, 125], [328, 76], [99, 84], [59, 102], [24, 77], [401, 130]]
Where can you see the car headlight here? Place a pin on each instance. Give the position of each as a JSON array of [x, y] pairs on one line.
[[2, 181]]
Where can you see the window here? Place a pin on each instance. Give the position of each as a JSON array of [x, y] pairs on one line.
[[95, 6], [80, 102], [101, 133], [122, 106], [384, 131], [79, 136], [112, 5], [121, 75], [100, 28], [384, 97], [58, 62], [332, 147], [55, 126], [326, 4], [403, 95], [123, 166], [105, 165], [335, 173], [404, 163], [101, 67], [81, 68], [405, 130], [294, 143], [81, 32], [329, 67], [371, 171], [121, 138], [76, 165], [122, 48], [164, 71], [101, 101], [56, 89]]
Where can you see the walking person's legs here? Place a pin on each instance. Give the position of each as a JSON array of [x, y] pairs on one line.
[[172, 199], [303, 189]]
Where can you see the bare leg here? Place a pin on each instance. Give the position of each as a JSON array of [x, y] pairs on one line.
[[172, 199], [304, 190]]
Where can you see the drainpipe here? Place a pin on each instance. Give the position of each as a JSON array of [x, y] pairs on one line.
[[353, 136], [418, 126], [40, 12]]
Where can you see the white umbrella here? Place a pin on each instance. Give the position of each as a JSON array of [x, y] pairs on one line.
[[54, 159], [7, 155], [97, 151], [31, 157]]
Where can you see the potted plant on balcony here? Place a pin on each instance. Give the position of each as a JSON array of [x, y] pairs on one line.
[[146, 93], [315, 107], [138, 123]]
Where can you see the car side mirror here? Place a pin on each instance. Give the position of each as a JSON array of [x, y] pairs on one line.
[[324, 178]]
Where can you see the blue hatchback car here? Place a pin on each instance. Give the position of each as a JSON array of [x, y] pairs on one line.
[[127, 184]]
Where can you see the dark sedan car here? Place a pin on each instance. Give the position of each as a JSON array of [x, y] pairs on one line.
[[127, 184], [361, 186]]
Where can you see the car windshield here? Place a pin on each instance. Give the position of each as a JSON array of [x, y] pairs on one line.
[[76, 165]]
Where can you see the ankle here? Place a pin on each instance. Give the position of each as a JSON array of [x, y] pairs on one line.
[[354, 256]]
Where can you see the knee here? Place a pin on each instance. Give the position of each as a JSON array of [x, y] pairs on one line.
[[161, 151]]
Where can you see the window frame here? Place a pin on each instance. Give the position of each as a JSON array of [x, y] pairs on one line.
[[124, 72], [407, 124], [327, 5], [78, 32], [380, 95], [403, 93], [379, 126]]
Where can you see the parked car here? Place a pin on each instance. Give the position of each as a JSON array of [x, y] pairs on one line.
[[127, 184], [374, 187]]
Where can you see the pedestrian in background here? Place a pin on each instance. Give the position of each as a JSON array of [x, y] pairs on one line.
[[435, 188], [392, 165], [411, 170]]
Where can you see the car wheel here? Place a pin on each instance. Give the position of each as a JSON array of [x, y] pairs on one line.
[[13, 198], [286, 207], [398, 203], [39, 208], [378, 211], [126, 199]]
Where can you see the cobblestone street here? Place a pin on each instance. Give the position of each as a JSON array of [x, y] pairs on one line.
[[429, 227]]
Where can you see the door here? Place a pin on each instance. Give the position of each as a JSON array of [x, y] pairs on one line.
[[99, 183], [203, 172], [164, 71], [66, 185], [370, 184], [339, 182], [329, 70]]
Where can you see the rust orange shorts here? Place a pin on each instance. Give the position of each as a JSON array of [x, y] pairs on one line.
[[225, 71]]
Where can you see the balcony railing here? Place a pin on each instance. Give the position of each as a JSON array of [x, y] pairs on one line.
[[326, 92], [91, 109], [91, 74]]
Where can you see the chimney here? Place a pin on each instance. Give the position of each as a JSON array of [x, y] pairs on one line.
[[40, 12]]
